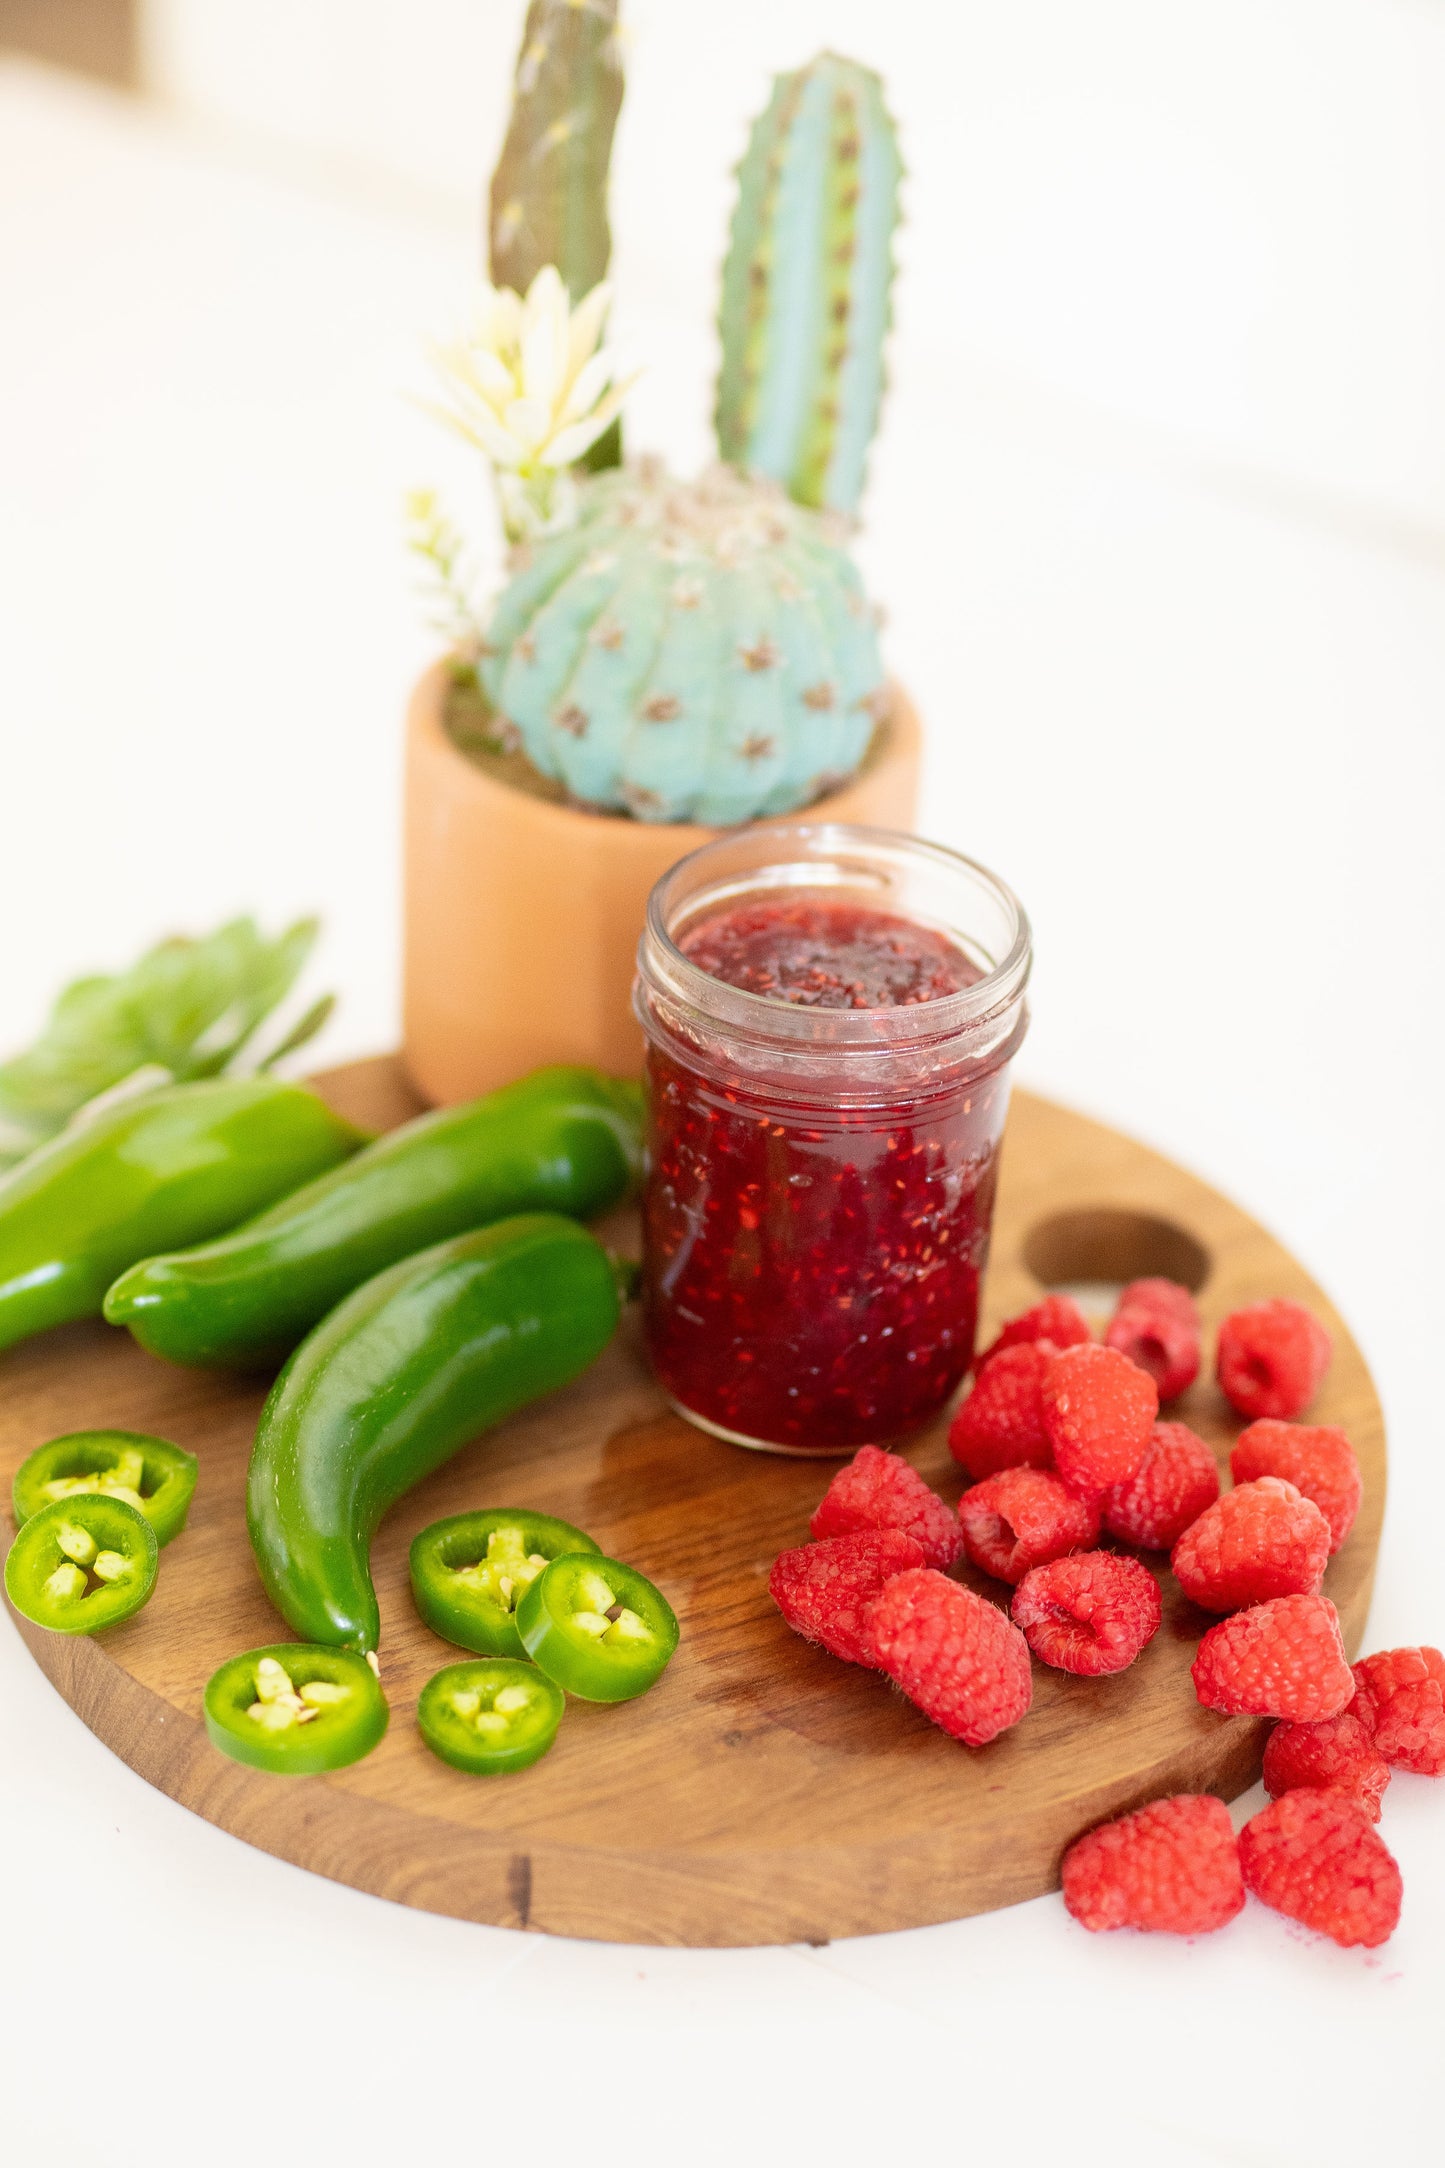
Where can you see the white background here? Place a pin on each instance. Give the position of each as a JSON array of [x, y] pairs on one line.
[[1158, 512]]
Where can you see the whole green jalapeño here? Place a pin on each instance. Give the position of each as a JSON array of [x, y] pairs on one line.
[[469, 1573], [598, 1628], [295, 1710], [151, 1474], [402, 1374], [490, 1718], [82, 1563]]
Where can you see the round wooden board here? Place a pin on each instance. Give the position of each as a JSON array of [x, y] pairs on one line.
[[762, 1792]]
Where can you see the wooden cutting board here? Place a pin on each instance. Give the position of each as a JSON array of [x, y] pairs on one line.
[[762, 1792]]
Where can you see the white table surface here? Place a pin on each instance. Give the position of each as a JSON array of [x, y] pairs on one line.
[[1197, 725]]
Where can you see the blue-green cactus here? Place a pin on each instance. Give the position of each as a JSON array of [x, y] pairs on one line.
[[697, 651], [805, 291]]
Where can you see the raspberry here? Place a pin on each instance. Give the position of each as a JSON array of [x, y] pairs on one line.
[[1400, 1700], [1157, 1326], [1098, 1411], [1314, 1857], [1057, 1319], [1001, 1424], [1283, 1659], [1335, 1756], [1319, 1461], [822, 1589], [1264, 1539], [953, 1654], [1171, 1487], [1171, 1297], [1023, 1517], [878, 1490], [1172, 1868], [1088, 1614], [1271, 1358]]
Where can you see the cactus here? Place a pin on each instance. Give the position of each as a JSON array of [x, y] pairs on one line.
[[549, 192], [805, 287], [694, 651]]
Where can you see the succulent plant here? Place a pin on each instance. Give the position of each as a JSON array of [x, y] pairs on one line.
[[805, 292], [688, 651]]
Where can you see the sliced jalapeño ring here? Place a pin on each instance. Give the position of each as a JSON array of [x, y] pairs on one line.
[[82, 1563], [295, 1709], [151, 1474], [491, 1716], [469, 1573], [597, 1627]]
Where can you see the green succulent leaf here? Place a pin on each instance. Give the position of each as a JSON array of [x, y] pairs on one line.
[[304, 1029], [189, 1008]]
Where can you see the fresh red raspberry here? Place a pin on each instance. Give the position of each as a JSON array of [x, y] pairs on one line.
[[1157, 1326], [878, 1490], [1157, 1293], [1057, 1319], [1335, 1756], [1318, 1460], [1264, 1539], [1314, 1857], [1271, 1358], [822, 1589], [1172, 1868], [1099, 1410], [1283, 1659], [1172, 1485], [1089, 1614], [1022, 1517], [1001, 1423], [956, 1656], [1400, 1699]]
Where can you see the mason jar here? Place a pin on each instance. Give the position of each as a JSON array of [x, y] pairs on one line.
[[830, 1014]]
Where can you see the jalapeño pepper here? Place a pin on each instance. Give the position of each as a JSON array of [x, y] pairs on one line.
[[490, 1718], [562, 1140], [82, 1563], [295, 1710], [597, 1627], [469, 1573], [178, 1165], [393, 1382], [151, 1474]]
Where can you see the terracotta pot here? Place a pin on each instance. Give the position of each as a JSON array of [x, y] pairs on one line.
[[522, 915]]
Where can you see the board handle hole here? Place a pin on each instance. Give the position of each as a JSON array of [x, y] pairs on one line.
[[1093, 1252]]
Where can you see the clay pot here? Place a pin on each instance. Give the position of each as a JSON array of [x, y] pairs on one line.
[[522, 914]]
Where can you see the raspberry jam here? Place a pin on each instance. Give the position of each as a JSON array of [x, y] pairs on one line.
[[823, 953], [829, 1038]]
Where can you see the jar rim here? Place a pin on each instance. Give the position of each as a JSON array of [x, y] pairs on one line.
[[803, 854]]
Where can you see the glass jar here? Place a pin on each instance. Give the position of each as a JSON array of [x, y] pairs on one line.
[[821, 1178]]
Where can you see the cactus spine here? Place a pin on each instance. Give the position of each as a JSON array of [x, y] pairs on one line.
[[805, 292]]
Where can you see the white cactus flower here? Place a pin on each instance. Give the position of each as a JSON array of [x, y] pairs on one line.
[[530, 385]]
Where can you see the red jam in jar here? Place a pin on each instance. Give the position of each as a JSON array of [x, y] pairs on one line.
[[830, 1016], [825, 954]]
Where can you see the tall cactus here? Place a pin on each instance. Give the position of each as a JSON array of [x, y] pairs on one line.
[[805, 290], [549, 192]]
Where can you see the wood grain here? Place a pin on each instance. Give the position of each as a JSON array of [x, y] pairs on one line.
[[762, 1792]]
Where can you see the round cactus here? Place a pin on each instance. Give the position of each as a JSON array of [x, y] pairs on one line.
[[688, 651]]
